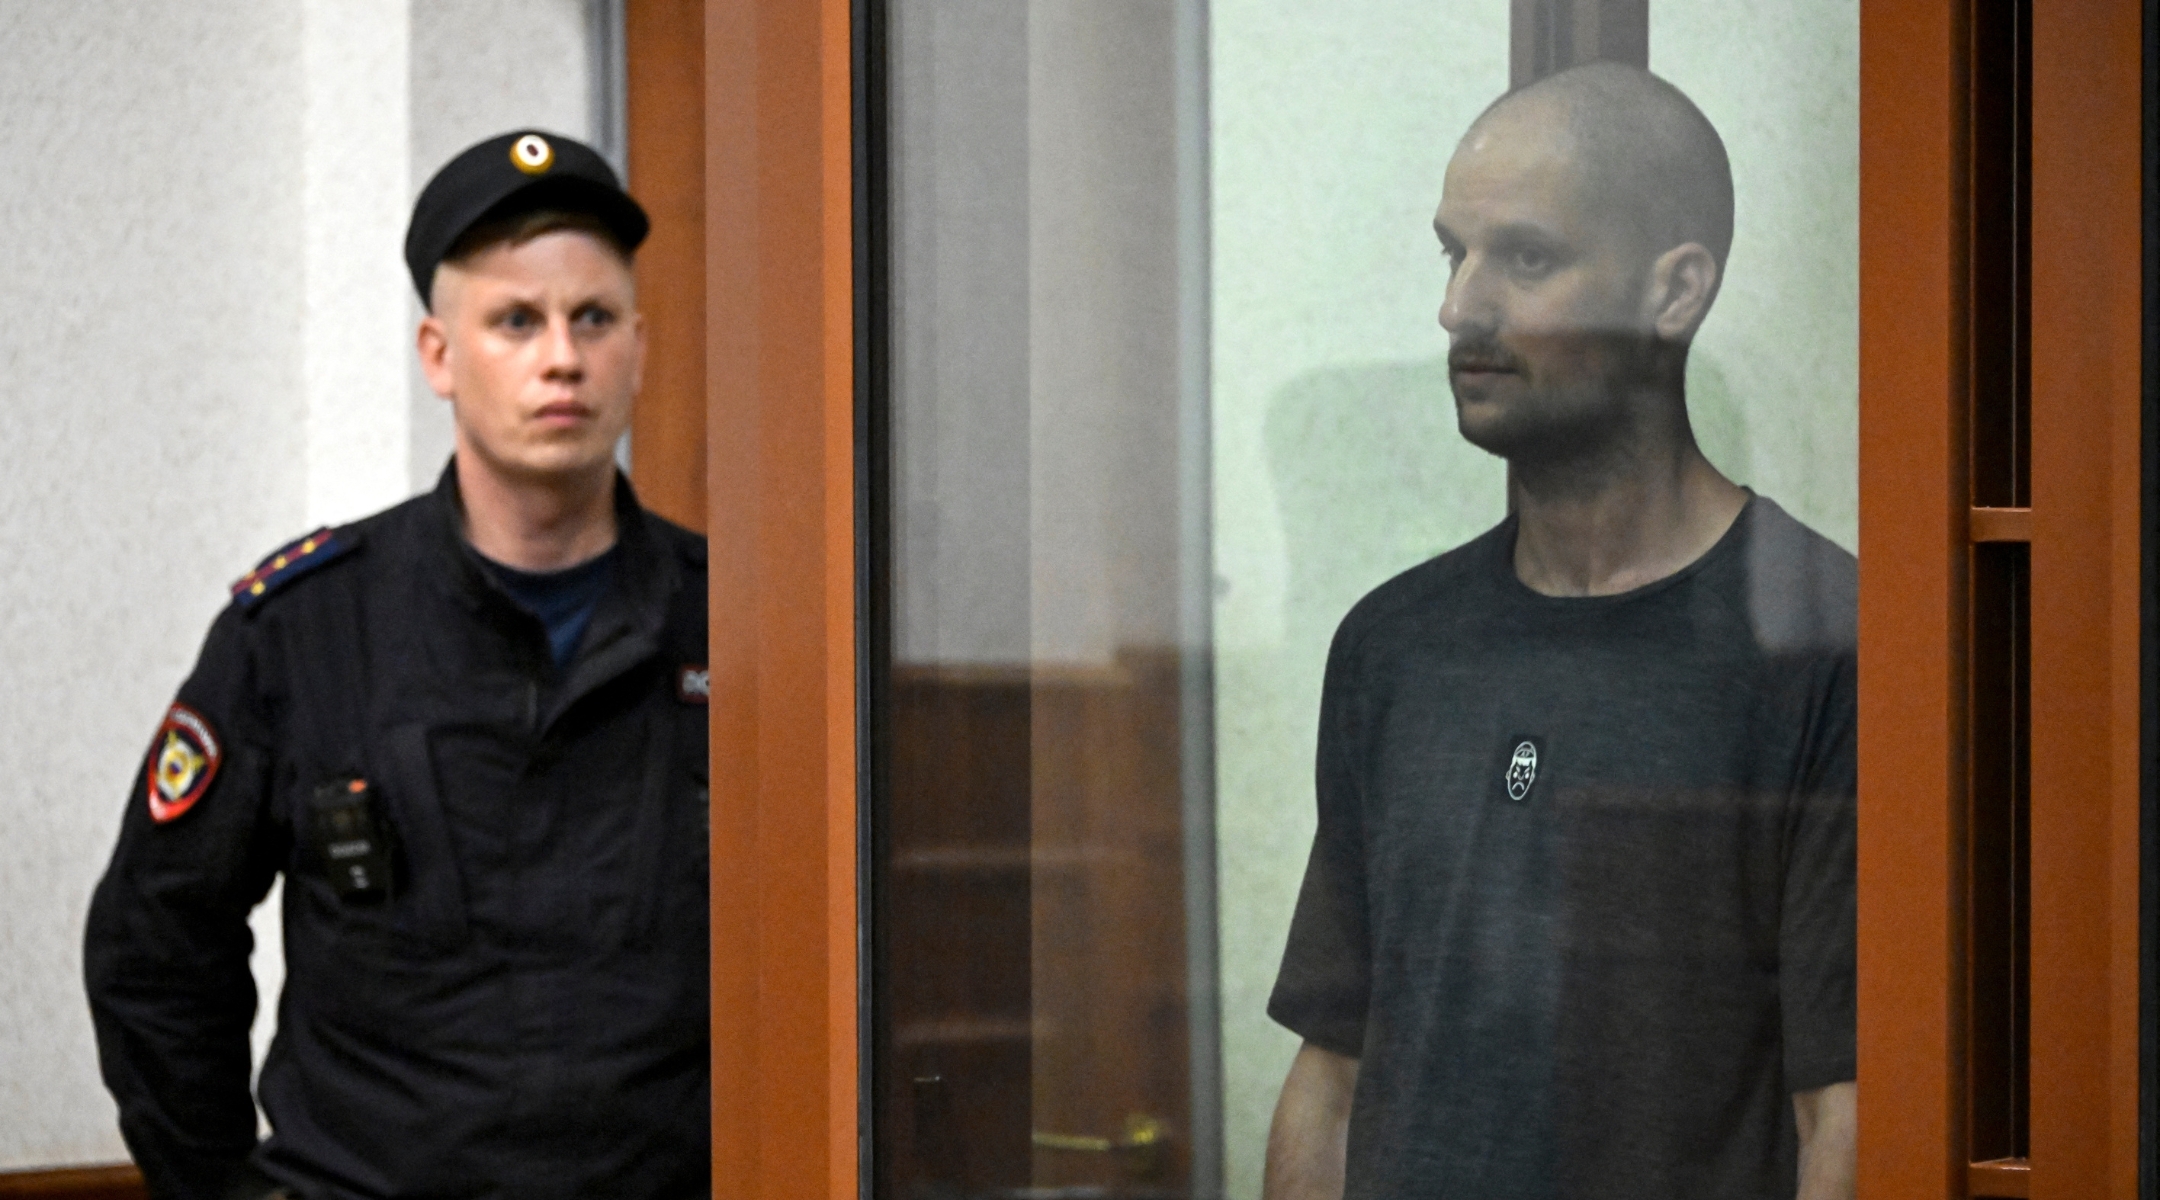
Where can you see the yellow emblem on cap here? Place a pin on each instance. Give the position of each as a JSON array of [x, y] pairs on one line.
[[532, 154]]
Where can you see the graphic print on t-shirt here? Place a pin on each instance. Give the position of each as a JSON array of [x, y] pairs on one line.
[[1524, 753]]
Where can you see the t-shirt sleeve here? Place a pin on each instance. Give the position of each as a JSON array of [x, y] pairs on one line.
[[1322, 990], [1816, 948]]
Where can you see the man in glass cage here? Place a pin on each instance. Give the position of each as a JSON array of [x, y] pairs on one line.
[[1578, 919]]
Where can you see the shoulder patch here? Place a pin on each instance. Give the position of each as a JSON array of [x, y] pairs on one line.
[[290, 562], [184, 758]]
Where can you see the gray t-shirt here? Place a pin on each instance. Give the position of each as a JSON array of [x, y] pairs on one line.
[[1581, 894]]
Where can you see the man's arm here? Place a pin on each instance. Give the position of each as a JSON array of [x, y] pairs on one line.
[[166, 943], [1829, 1128], [1307, 1140]]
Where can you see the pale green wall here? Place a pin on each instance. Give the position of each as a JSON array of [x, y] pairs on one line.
[[1336, 458]]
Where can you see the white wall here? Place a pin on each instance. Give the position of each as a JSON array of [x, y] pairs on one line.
[[151, 371], [204, 349]]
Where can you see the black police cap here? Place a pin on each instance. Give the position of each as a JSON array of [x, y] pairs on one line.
[[515, 173]]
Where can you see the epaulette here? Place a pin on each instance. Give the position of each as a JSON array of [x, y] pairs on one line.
[[317, 549]]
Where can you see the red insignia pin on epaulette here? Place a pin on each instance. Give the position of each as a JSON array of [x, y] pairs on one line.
[[184, 760], [295, 559]]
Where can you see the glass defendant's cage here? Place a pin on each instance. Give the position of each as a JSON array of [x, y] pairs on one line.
[[1106, 334], [1157, 394]]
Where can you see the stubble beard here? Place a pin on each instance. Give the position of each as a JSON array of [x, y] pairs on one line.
[[1543, 426]]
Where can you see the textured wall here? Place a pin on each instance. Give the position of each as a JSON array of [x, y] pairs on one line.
[[150, 368], [204, 349], [1337, 463], [355, 196]]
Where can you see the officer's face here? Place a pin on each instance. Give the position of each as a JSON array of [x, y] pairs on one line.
[[540, 349], [1546, 305]]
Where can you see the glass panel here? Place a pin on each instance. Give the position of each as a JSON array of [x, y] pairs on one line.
[[1559, 855], [1044, 867]]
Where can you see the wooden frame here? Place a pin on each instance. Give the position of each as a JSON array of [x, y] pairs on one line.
[[118, 1182], [664, 90], [780, 455], [2083, 527], [2087, 342], [1911, 597], [779, 440]]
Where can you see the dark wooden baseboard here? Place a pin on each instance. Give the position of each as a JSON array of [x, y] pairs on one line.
[[119, 1182]]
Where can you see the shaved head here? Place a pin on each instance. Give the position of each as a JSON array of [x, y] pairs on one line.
[[1586, 219], [1649, 156]]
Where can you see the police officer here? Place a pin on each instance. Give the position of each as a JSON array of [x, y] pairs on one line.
[[470, 733]]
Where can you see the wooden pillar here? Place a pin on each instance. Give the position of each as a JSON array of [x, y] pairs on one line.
[[2087, 330], [1912, 545], [780, 483], [664, 43], [1920, 242]]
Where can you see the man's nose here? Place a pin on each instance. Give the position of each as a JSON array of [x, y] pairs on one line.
[[564, 355], [1465, 307]]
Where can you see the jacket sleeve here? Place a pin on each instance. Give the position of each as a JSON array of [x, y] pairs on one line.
[[167, 941]]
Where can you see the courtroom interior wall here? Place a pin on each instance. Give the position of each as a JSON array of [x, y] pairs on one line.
[[151, 338], [205, 354]]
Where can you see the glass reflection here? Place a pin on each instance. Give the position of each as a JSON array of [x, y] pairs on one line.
[[1039, 1029], [1569, 911]]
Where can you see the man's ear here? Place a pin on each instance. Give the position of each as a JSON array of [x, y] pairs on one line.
[[433, 342], [1683, 282]]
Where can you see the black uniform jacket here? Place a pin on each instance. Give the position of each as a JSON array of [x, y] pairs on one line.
[[525, 1014]]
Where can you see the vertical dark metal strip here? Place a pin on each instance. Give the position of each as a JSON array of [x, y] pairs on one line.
[[1998, 827], [607, 98], [873, 550], [1196, 599]]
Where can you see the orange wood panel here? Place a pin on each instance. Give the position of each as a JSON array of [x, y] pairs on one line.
[[2001, 524], [1912, 529], [118, 1182], [2085, 560], [664, 44], [780, 482], [2001, 1178]]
